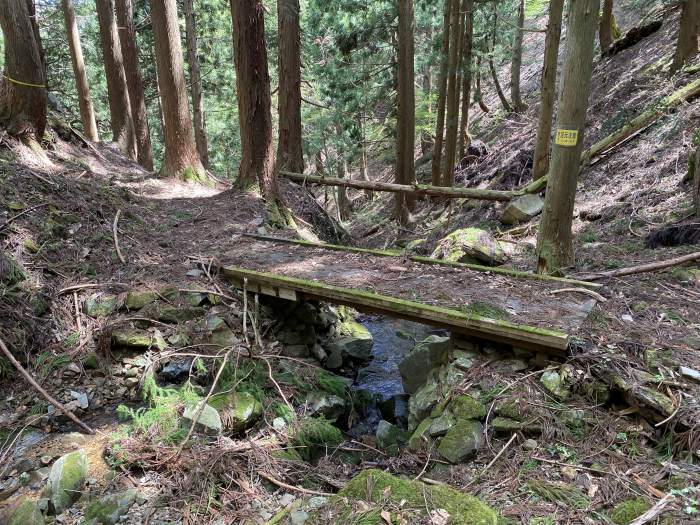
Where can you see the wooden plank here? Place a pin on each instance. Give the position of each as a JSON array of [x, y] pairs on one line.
[[417, 189], [426, 260], [549, 341]]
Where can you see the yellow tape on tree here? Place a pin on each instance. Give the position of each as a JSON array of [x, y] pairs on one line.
[[26, 84]]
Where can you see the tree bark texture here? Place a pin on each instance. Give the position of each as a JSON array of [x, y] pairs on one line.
[[548, 85], [198, 118], [452, 110], [605, 32], [436, 173], [181, 158], [87, 112], [253, 90], [23, 90], [688, 34], [120, 118], [464, 138], [517, 60], [289, 147], [554, 242], [134, 82], [494, 75], [406, 116]]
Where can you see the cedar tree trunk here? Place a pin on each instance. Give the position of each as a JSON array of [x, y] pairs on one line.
[[87, 112], [200, 125], [289, 147], [517, 60], [452, 112], [120, 118], [554, 242], [688, 34], [548, 87], [464, 138], [442, 94], [181, 158], [22, 90], [134, 83]]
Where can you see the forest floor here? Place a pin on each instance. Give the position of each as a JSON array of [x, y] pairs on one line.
[[590, 455]]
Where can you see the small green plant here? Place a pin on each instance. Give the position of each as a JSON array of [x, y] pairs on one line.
[[314, 434], [46, 362], [6, 369], [589, 236]]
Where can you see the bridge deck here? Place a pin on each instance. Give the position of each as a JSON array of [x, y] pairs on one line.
[[495, 307]]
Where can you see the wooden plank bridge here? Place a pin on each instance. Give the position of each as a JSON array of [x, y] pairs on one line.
[[493, 304]]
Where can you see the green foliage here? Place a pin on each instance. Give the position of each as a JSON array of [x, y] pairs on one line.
[[6, 369], [46, 362], [629, 510], [568, 495]]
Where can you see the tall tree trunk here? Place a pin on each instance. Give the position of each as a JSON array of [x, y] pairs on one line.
[[31, 8], [517, 60], [181, 158], [87, 112], [548, 89], [464, 138], [494, 75], [406, 111], [605, 32], [478, 94], [23, 90], [427, 84], [696, 179], [289, 148], [442, 96], [120, 118], [134, 83], [343, 203], [253, 90], [452, 112], [198, 119], [554, 242], [688, 34]]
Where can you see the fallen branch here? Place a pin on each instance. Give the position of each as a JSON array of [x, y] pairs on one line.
[[653, 512], [643, 268], [15, 217], [416, 189], [500, 453], [593, 294], [116, 238], [70, 415], [89, 285], [284, 485]]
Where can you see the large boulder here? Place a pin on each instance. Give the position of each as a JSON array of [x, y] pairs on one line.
[[470, 245], [109, 509], [66, 480], [522, 209], [462, 441], [427, 355]]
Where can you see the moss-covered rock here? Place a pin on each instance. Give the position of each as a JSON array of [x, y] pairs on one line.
[[109, 509], [171, 313], [238, 410], [470, 245], [324, 404], [314, 435], [421, 436], [138, 339], [390, 437], [100, 305], [507, 425], [26, 513], [356, 341], [430, 353], [467, 407], [382, 491], [627, 511], [66, 480], [462, 441], [137, 299], [555, 382]]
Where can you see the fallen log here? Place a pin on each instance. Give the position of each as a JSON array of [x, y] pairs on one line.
[[416, 189], [643, 268], [633, 36], [642, 121]]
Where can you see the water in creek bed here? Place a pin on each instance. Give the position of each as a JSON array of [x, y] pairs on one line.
[[393, 339]]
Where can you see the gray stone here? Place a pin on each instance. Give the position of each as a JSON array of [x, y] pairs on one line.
[[299, 517], [530, 444], [335, 358], [137, 299], [208, 422], [100, 305], [109, 509], [238, 410], [325, 404], [554, 382], [522, 209], [81, 398], [66, 480], [138, 339], [427, 355], [441, 424], [462, 441]]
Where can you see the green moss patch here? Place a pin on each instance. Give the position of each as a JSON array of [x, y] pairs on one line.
[[386, 492], [627, 511]]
